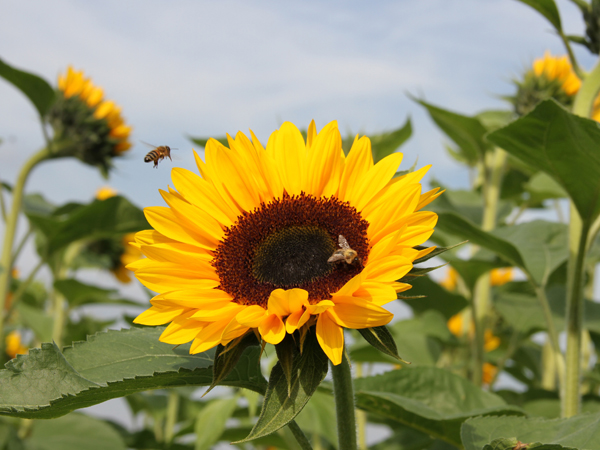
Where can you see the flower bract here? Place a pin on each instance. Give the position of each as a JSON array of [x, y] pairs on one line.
[[244, 245]]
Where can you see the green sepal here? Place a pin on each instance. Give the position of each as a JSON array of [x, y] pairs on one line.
[[382, 340], [279, 408], [287, 350], [438, 251], [226, 357]]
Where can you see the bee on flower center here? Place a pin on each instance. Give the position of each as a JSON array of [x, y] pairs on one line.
[[158, 154], [345, 253]]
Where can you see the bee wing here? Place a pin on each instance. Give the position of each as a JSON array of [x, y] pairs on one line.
[[149, 145], [343, 242], [337, 256]]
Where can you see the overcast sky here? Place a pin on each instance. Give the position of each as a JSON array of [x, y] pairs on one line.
[[210, 68]]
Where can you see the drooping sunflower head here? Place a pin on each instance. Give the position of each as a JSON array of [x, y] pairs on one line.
[[248, 245], [549, 77], [86, 125]]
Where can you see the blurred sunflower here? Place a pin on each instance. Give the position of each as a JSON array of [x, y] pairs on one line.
[[85, 125], [14, 346], [245, 246]]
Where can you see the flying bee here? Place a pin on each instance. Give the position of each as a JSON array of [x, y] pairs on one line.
[[345, 253], [158, 154]]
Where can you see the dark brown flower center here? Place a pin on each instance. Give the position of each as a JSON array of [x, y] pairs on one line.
[[286, 244]]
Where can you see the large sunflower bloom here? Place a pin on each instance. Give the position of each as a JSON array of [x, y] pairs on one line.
[[244, 246]]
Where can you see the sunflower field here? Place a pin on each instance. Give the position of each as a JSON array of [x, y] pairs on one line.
[[274, 271]]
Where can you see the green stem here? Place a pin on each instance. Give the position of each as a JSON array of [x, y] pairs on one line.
[[171, 419], [549, 371], [552, 335], [2, 205], [584, 100], [343, 391], [482, 291], [299, 435], [572, 58], [578, 233], [361, 417], [59, 312], [20, 246], [23, 287], [11, 228]]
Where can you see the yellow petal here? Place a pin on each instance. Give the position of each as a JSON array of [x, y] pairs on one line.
[[251, 316], [158, 316], [181, 330], [217, 311], [356, 313], [164, 221], [331, 338], [282, 302], [358, 163], [272, 329], [209, 336], [374, 180], [290, 156], [192, 298]]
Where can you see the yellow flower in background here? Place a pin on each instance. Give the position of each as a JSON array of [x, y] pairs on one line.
[[105, 192], [131, 254], [498, 277], [461, 324], [559, 69], [451, 279], [245, 245], [85, 124], [14, 346], [488, 373]]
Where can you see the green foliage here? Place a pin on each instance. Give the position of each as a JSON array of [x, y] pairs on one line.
[[561, 144], [211, 422], [47, 383], [548, 9], [580, 432], [428, 399], [37, 90]]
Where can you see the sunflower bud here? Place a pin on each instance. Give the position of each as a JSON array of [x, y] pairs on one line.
[[550, 77], [85, 125], [591, 16]]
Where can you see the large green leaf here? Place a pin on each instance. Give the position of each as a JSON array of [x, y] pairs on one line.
[[74, 432], [48, 383], [431, 400], [38, 90], [468, 204], [466, 132], [37, 320], [561, 144], [582, 432], [282, 405], [543, 246], [546, 8]]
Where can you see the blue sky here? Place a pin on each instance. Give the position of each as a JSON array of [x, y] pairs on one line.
[[207, 68]]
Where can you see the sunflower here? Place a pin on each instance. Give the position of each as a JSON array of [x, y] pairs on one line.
[[85, 124], [244, 247], [14, 345]]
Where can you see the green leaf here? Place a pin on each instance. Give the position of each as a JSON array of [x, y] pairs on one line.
[[522, 312], [541, 187], [582, 432], [511, 444], [385, 144], [287, 352], [37, 90], [467, 204], [74, 432], [112, 217], [471, 269], [227, 357], [428, 399], [78, 293], [543, 246], [37, 204], [454, 224], [279, 408], [318, 417], [466, 132], [438, 251], [548, 9], [48, 383], [211, 422], [493, 119], [436, 298], [561, 144], [382, 340]]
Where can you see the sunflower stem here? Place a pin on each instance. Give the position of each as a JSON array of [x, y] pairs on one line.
[[171, 419], [481, 294], [343, 391], [361, 417], [579, 231], [11, 228]]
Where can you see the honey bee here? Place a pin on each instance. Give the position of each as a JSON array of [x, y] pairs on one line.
[[345, 253], [158, 154]]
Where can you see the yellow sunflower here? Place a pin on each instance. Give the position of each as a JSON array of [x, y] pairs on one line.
[[244, 246], [559, 69], [85, 124]]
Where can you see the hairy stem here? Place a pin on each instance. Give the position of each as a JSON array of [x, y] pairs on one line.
[[343, 390], [11, 228], [299, 435]]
